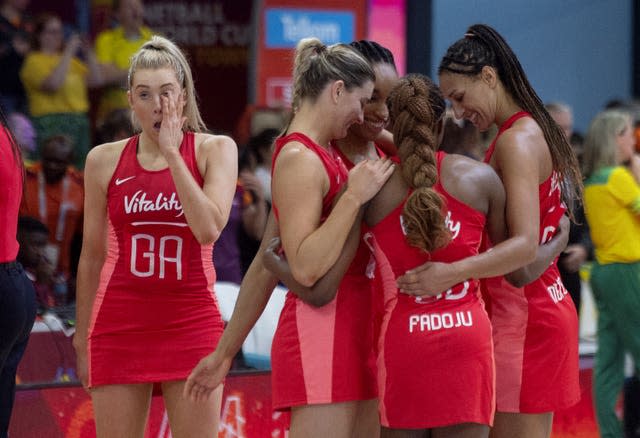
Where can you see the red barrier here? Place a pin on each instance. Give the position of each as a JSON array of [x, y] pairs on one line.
[[246, 412], [64, 410]]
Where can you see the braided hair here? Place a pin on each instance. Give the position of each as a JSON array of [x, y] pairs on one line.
[[374, 52], [483, 46], [416, 107]]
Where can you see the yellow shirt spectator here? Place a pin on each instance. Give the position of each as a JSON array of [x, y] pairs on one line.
[[113, 47], [71, 97], [612, 207]]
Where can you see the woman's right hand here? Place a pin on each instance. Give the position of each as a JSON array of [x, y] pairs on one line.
[[367, 177], [206, 376]]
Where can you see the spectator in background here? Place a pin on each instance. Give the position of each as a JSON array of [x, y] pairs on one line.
[[252, 172], [260, 148], [563, 116], [114, 47], [461, 137], [579, 249], [116, 126], [54, 193], [33, 237], [24, 133], [249, 217], [15, 29], [57, 75], [612, 207]]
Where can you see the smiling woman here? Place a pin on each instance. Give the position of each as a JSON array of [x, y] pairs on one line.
[[485, 83], [317, 372], [155, 203]]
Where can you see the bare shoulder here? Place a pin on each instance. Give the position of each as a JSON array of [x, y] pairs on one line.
[[469, 181], [296, 166], [523, 146], [469, 171], [102, 161], [295, 153], [210, 143], [524, 137]]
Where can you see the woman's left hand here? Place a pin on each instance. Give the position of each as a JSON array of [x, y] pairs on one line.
[[428, 279], [170, 135]]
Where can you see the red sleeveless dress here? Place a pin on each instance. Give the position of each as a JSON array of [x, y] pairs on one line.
[[155, 314], [535, 328], [435, 354], [323, 354]]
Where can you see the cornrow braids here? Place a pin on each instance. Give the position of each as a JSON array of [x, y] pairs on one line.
[[374, 52], [415, 108], [484, 46]]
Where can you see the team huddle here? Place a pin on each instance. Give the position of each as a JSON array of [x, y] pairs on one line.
[[399, 320]]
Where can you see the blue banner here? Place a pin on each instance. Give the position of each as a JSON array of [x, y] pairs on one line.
[[285, 27]]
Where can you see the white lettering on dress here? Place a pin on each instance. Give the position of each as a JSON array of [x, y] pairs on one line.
[[439, 321], [139, 203], [150, 256], [557, 291], [454, 227]]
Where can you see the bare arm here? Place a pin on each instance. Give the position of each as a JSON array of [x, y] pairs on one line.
[[325, 289], [522, 213], [95, 78], [299, 184], [54, 81], [94, 247], [545, 254], [255, 291], [206, 209]]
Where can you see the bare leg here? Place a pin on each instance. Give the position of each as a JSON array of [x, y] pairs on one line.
[[465, 430], [367, 421], [336, 420], [190, 419], [385, 432], [121, 411], [509, 425]]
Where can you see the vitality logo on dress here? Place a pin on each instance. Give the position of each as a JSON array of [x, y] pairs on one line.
[[139, 203]]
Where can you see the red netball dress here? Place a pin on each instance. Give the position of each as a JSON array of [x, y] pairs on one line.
[[155, 314], [535, 328], [323, 354], [435, 358]]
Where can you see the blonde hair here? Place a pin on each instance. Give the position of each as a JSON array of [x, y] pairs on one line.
[[600, 146], [160, 52], [316, 65]]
